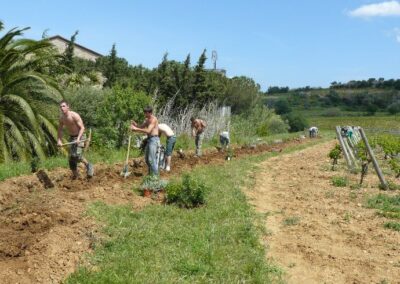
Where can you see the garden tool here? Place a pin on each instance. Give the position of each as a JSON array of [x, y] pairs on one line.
[[125, 171], [74, 142]]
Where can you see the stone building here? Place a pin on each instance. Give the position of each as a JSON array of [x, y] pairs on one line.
[[79, 51]]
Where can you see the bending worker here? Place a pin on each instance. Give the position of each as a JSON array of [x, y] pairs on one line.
[[171, 139]]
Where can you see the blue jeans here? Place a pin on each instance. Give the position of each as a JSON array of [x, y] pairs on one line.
[[170, 145], [150, 154], [198, 141]]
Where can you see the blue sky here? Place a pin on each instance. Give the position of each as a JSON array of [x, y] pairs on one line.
[[291, 43]]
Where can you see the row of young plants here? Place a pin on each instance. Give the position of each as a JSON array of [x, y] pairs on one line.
[[389, 145]]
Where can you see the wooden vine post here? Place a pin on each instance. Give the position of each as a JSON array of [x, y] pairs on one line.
[[374, 161]]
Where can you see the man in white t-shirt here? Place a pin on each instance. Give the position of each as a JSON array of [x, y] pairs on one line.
[[224, 139], [171, 139], [313, 131]]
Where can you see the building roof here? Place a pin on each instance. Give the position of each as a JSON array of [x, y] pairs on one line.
[[78, 45]]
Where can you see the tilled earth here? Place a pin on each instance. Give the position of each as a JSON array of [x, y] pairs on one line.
[[320, 233], [44, 232]]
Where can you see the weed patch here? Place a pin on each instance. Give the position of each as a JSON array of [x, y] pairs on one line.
[[339, 181], [393, 226], [291, 221]]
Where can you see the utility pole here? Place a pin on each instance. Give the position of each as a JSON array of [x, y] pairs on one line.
[[214, 57]]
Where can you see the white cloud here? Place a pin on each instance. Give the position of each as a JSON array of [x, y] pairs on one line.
[[384, 9]]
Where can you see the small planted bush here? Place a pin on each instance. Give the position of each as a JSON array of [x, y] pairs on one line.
[[152, 183], [335, 155], [188, 193]]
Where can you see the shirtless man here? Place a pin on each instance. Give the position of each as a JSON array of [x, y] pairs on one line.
[[198, 127], [149, 127], [74, 124], [171, 140]]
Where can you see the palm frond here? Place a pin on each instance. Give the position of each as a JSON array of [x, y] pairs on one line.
[[24, 109], [35, 145], [15, 140]]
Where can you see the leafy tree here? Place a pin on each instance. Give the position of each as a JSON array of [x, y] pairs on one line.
[[69, 53], [282, 106], [242, 94], [118, 109], [27, 92], [167, 78], [111, 69], [394, 108], [199, 94], [297, 122]]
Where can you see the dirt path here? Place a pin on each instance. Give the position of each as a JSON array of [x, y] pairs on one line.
[[320, 233]]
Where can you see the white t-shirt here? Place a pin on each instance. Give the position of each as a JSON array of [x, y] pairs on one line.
[[224, 134], [165, 129], [314, 129]]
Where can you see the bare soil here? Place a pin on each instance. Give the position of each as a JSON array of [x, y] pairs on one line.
[[320, 233], [44, 232]]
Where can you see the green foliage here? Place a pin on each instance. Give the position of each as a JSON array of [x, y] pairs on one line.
[[183, 141], [390, 144], [87, 101], [282, 106], [242, 94], [111, 68], [117, 110], [339, 181], [394, 108], [385, 203], [291, 221], [297, 122], [200, 88], [261, 121], [68, 59], [153, 183], [27, 92], [188, 193], [393, 226], [395, 166], [334, 155]]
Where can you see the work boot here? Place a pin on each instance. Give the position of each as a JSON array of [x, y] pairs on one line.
[[89, 170]]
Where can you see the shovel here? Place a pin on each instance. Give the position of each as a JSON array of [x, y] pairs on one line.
[[125, 171]]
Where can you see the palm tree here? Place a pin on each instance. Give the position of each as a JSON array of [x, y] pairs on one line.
[[27, 89]]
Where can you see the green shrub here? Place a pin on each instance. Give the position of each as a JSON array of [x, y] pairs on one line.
[[297, 122], [334, 155], [339, 181], [394, 108], [153, 183], [188, 193], [183, 142]]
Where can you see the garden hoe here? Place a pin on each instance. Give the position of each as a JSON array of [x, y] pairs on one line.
[[125, 172]]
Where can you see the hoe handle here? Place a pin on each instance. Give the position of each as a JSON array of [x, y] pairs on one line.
[[129, 147]]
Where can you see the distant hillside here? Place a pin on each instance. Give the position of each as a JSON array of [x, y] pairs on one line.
[[335, 100]]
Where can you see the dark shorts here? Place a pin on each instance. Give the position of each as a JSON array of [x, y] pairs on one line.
[[170, 145], [75, 154]]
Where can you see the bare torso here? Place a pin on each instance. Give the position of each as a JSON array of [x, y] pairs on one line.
[[71, 121], [152, 123], [198, 125]]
